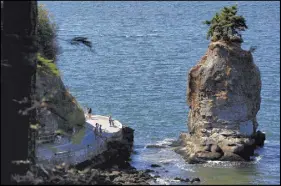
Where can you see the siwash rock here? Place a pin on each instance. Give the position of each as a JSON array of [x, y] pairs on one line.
[[223, 95]]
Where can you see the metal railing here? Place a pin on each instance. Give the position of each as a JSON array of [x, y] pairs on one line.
[[75, 156]]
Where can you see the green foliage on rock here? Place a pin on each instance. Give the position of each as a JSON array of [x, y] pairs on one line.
[[46, 31], [76, 118], [226, 25], [60, 132], [47, 65]]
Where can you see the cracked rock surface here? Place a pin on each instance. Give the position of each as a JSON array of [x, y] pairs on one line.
[[223, 94]]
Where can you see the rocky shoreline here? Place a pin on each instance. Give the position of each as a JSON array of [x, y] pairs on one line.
[[110, 167], [63, 174]]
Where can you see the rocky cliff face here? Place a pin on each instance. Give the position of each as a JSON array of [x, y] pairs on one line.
[[224, 99], [58, 108]]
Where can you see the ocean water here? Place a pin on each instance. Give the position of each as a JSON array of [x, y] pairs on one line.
[[137, 72]]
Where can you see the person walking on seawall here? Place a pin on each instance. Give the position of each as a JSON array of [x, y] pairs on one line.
[[100, 130], [110, 121], [96, 130], [89, 113]]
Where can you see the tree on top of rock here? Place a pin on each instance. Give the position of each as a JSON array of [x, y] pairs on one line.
[[226, 25]]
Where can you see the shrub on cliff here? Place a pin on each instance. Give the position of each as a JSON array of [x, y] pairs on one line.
[[47, 66], [226, 25], [46, 34]]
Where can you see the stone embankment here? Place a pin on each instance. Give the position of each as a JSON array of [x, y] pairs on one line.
[[224, 98], [109, 164], [88, 144]]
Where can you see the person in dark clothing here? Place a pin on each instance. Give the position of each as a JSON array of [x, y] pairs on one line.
[[96, 130], [90, 112], [111, 121], [100, 130]]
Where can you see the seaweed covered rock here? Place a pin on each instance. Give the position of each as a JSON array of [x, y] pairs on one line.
[[224, 98]]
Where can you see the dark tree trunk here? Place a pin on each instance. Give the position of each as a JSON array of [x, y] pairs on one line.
[[18, 67]]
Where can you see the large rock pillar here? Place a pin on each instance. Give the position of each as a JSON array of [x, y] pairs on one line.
[[224, 98]]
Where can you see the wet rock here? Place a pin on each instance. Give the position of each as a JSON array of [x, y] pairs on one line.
[[228, 156], [155, 146], [85, 176], [208, 155], [181, 179], [195, 180], [155, 165], [216, 148], [149, 170], [259, 138]]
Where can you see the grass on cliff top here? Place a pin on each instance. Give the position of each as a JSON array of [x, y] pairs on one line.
[[47, 65]]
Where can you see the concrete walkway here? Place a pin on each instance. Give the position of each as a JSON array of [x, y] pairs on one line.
[[104, 122], [83, 145]]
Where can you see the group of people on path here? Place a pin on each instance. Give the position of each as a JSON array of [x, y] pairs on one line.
[[98, 130]]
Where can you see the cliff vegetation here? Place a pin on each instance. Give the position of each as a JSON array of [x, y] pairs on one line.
[[226, 25], [58, 110]]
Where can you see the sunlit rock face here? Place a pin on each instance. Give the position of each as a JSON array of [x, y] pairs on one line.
[[224, 98], [58, 109]]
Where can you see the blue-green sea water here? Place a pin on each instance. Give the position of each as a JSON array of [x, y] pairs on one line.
[[137, 72]]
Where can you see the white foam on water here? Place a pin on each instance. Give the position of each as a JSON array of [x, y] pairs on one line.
[[184, 166], [257, 159], [166, 141], [231, 164], [217, 163], [162, 143], [162, 181], [168, 161], [156, 35]]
